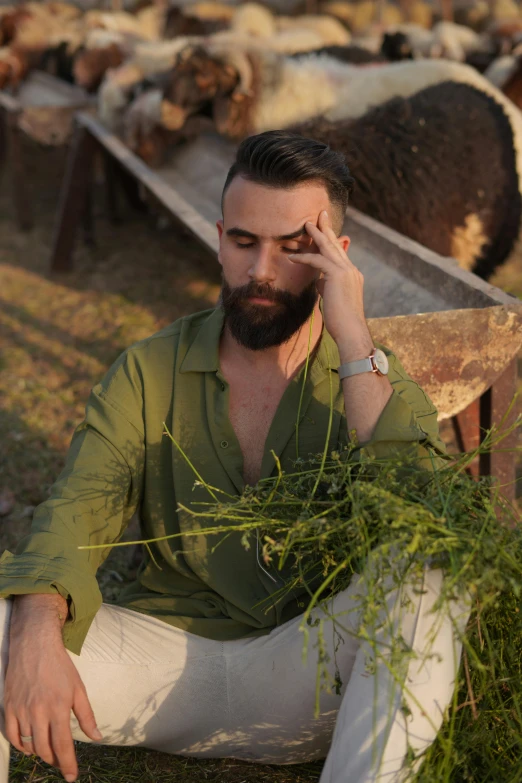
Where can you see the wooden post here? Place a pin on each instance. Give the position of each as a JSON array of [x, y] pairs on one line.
[[21, 198], [471, 424], [111, 189], [494, 403], [466, 426], [3, 139], [72, 200]]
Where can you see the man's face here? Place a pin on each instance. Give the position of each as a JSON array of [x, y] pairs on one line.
[[266, 297]]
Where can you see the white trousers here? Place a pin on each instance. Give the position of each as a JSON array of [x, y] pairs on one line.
[[159, 687]]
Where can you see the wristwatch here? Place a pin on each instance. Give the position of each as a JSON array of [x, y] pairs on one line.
[[375, 362]]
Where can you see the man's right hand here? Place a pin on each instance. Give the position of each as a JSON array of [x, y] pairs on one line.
[[42, 685]]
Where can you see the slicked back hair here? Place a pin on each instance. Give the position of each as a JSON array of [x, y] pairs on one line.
[[284, 159]]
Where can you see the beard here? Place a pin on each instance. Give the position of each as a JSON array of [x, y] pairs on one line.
[[256, 326]]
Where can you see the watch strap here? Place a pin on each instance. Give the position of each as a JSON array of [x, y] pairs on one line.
[[355, 368]]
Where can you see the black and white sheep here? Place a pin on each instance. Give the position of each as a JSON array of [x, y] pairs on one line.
[[440, 167]]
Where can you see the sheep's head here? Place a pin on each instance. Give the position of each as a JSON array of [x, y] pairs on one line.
[[197, 79], [90, 65], [9, 22]]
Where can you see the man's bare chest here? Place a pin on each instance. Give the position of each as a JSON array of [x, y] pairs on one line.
[[251, 411]]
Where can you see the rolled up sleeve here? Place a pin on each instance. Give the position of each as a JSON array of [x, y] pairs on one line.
[[91, 503], [408, 424]]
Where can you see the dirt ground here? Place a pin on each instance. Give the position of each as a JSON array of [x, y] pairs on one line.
[[58, 334]]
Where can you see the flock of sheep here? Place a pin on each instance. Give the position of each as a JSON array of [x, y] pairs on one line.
[[426, 113]]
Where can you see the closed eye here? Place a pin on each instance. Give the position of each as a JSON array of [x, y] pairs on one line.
[[248, 244]]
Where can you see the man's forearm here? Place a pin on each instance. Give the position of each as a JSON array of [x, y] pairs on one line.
[[366, 394], [41, 616]]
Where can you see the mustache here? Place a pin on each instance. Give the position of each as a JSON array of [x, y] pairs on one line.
[[258, 290]]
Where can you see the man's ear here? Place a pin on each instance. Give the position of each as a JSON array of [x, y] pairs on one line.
[[344, 242], [219, 226]]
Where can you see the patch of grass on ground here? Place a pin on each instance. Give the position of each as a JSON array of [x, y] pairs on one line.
[[135, 765]]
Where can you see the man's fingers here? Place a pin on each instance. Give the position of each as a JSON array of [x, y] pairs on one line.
[[63, 749], [83, 711], [328, 245], [325, 224], [42, 739], [12, 730], [317, 260], [319, 237]]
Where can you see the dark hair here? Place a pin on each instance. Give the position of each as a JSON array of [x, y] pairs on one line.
[[284, 159]]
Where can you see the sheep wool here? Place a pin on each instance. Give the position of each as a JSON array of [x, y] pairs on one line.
[[456, 40], [152, 58], [420, 13], [339, 9], [330, 31], [368, 87], [288, 90], [253, 19], [501, 70]]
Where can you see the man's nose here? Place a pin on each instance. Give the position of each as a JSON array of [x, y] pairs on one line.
[[263, 266]]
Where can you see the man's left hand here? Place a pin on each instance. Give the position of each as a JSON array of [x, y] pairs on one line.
[[341, 288]]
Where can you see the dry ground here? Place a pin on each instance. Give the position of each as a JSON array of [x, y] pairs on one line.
[[58, 334]]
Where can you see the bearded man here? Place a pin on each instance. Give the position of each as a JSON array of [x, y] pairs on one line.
[[195, 658]]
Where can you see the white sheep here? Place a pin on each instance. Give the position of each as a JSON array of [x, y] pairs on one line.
[[456, 40], [330, 30], [147, 60], [253, 19]]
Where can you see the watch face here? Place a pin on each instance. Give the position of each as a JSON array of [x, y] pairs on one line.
[[381, 361]]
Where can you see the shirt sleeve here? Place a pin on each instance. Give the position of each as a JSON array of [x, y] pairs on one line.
[[408, 424], [92, 502]]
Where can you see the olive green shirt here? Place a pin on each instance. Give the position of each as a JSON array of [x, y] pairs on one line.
[[120, 461]]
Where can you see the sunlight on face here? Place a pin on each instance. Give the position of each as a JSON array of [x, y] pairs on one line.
[[261, 226]]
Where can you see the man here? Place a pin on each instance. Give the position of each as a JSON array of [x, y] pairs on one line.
[[196, 659]]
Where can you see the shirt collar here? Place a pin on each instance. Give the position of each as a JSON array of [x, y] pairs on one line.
[[203, 352]]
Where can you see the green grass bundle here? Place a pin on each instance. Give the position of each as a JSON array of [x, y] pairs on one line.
[[318, 526], [325, 521]]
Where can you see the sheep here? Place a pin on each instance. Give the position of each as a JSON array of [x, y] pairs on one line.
[[254, 19], [14, 67], [440, 167], [274, 91], [197, 19], [120, 84], [91, 65], [248, 92], [501, 70], [356, 55], [147, 24], [421, 42], [396, 47], [456, 40], [331, 31]]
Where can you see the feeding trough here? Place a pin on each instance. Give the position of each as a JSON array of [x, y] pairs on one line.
[[455, 334]]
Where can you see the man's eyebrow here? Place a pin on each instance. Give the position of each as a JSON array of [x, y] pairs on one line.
[[242, 232]]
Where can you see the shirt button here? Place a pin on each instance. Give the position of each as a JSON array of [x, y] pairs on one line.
[[224, 444]]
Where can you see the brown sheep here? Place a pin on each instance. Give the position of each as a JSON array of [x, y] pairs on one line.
[[90, 65]]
